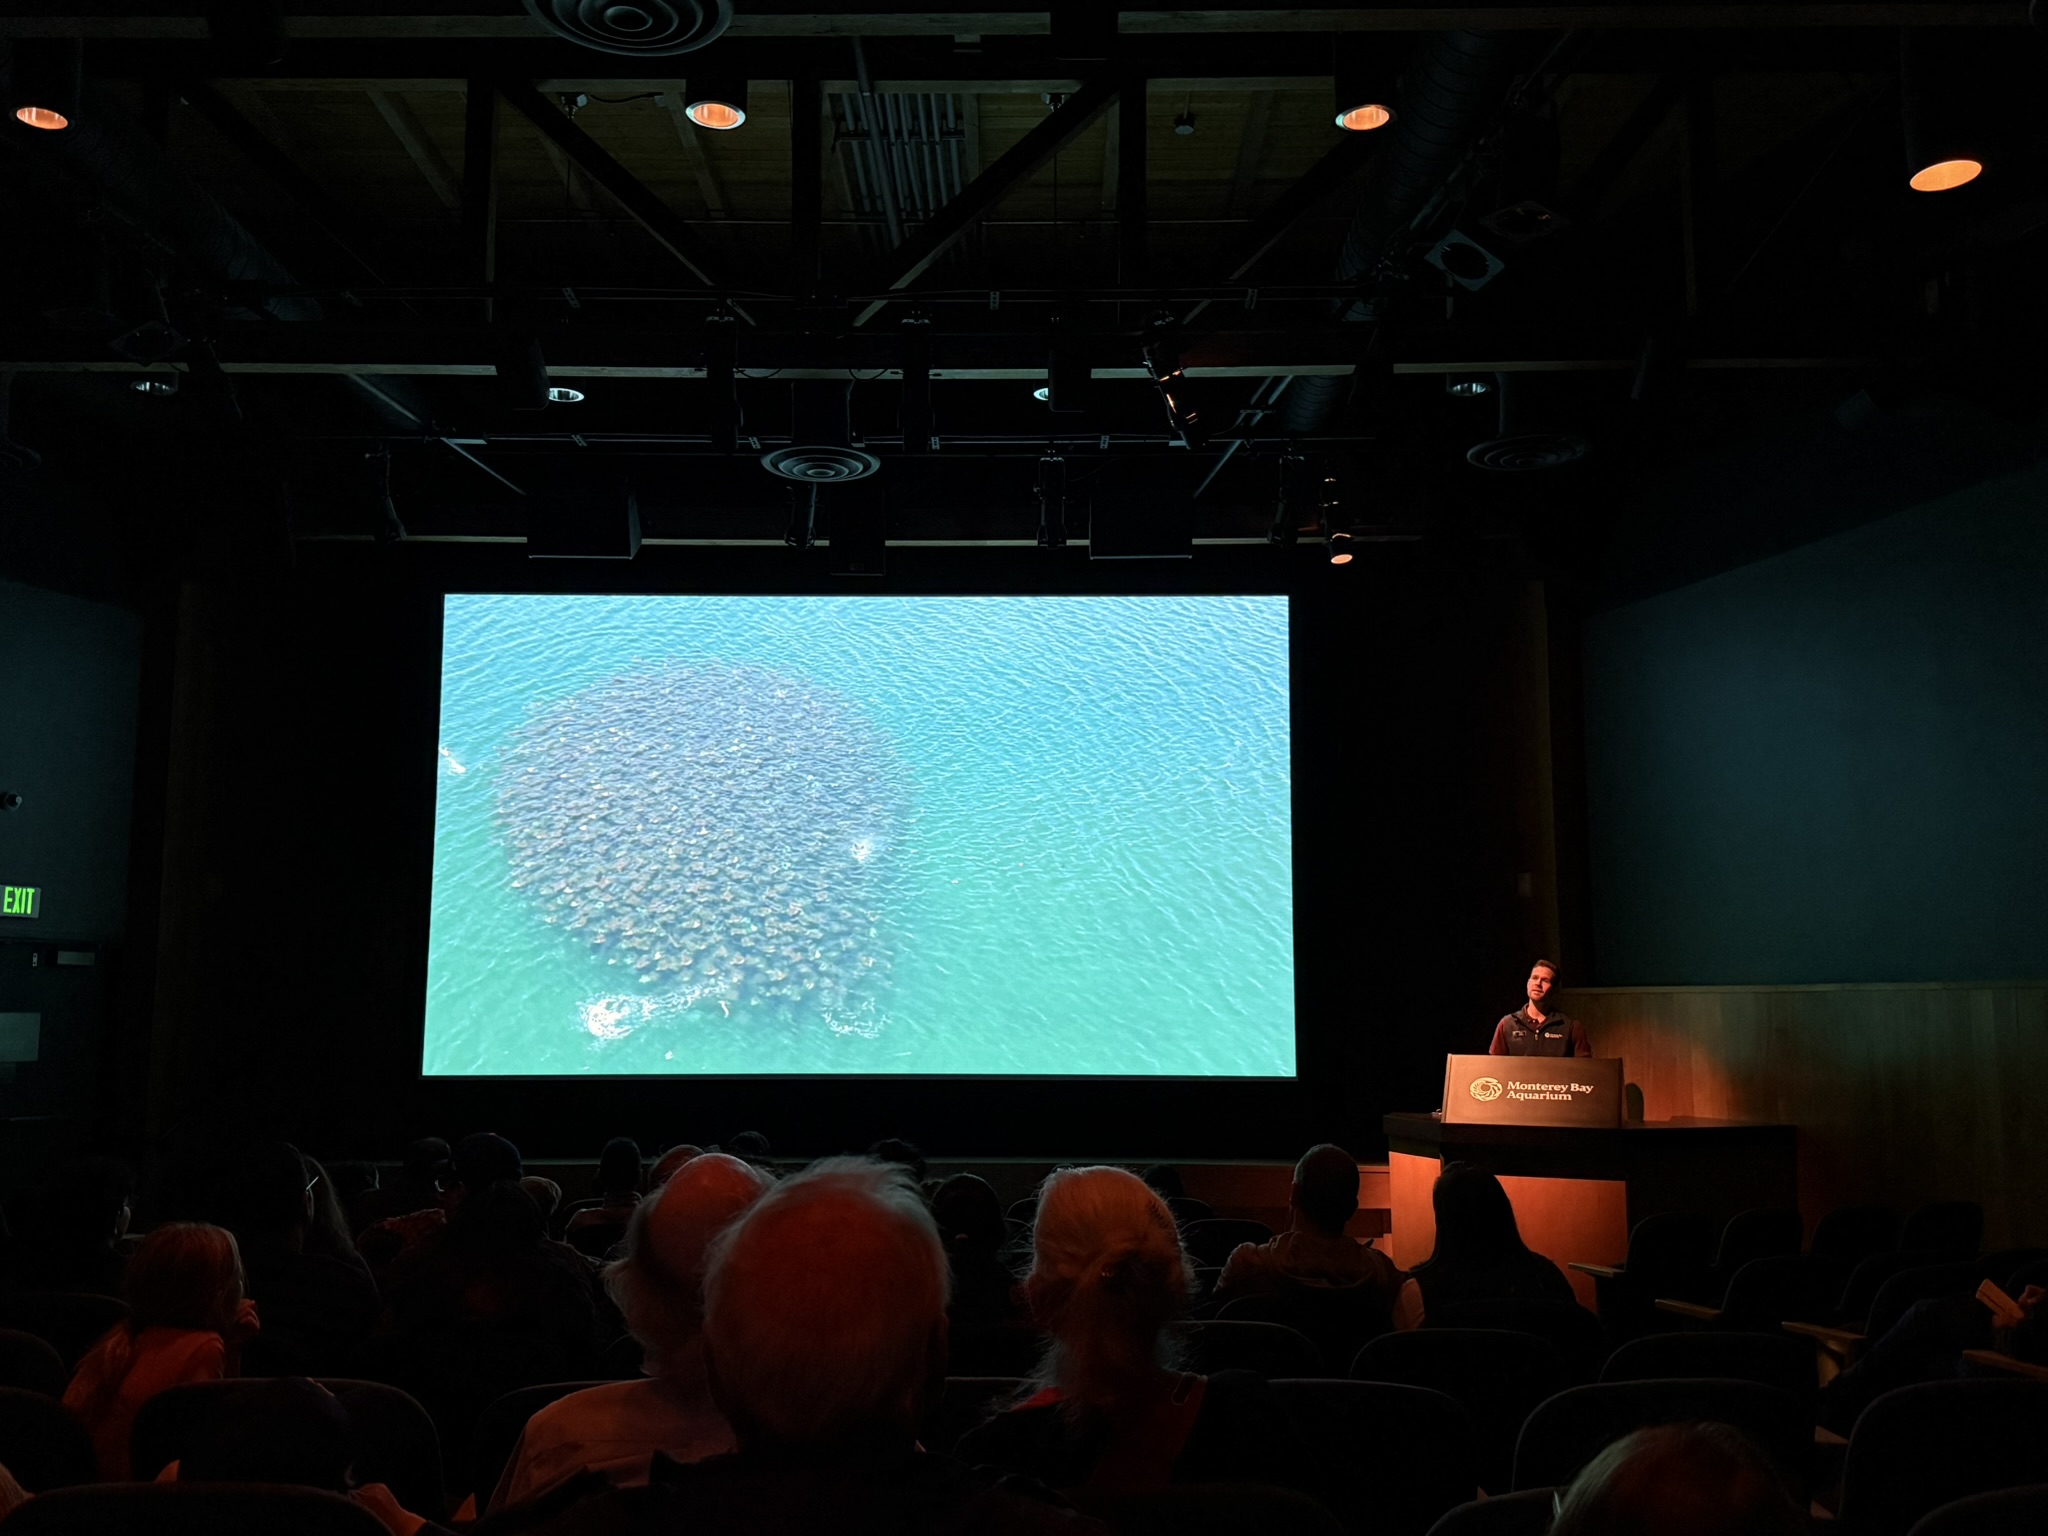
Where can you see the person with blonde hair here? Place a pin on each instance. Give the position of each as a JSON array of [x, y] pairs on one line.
[[187, 1322], [1114, 1410]]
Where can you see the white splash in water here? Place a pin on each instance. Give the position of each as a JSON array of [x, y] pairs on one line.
[[453, 766]]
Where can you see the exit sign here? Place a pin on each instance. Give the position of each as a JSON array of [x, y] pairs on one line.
[[20, 900]]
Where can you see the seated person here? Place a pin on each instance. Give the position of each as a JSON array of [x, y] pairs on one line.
[[825, 1340], [1927, 1344], [187, 1321], [597, 1222], [1113, 1412], [1479, 1253], [990, 1327], [666, 1165], [1314, 1254], [416, 1187], [1680, 1480], [658, 1286]]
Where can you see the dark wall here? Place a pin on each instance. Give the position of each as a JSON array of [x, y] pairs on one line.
[[296, 862], [1832, 765]]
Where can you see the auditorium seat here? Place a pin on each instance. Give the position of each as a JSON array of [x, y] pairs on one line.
[[1569, 1430], [1766, 1292], [31, 1363], [1851, 1233], [622, 1359], [2006, 1512], [1762, 1232], [42, 1444], [1952, 1228], [71, 1322], [499, 1426], [193, 1509], [1267, 1348], [1852, 1308], [1668, 1255], [1338, 1321], [1387, 1459], [1508, 1514], [1575, 1332], [1775, 1359], [1920, 1447], [964, 1403], [396, 1442], [1212, 1242], [1498, 1378], [1187, 1209], [597, 1239], [1210, 1509], [1025, 1210]]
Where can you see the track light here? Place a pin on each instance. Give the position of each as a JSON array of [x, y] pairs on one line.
[[385, 522], [914, 421], [1364, 86], [802, 531], [1162, 361], [721, 372], [1465, 389], [158, 384], [46, 80], [716, 101], [1339, 544], [561, 394], [1293, 497], [1944, 147], [1052, 502]]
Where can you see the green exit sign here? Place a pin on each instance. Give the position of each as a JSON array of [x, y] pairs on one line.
[[20, 900]]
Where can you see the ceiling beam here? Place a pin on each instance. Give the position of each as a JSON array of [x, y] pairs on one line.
[[419, 148], [1251, 148], [479, 259], [582, 151], [689, 133], [914, 257], [1342, 161]]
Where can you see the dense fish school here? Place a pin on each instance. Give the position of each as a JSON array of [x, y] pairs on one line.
[[719, 832]]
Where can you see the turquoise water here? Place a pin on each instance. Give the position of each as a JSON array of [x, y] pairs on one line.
[[990, 836]]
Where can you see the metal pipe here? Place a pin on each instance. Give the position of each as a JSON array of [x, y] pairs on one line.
[[868, 115]]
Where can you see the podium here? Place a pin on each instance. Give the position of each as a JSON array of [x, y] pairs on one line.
[[1577, 1187]]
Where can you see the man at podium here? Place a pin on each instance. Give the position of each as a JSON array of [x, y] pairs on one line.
[[1533, 1030]]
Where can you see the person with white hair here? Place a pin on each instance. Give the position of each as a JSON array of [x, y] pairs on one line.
[[825, 1340], [658, 1285], [1114, 1412]]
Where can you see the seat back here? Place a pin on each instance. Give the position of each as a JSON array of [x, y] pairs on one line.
[[1337, 1320], [1568, 1431], [1387, 1458], [1922, 1283], [1212, 1241], [1851, 1233], [192, 1509], [71, 1322], [1188, 1210], [1759, 1233], [1765, 1293], [499, 1426], [1267, 1348], [1776, 1359], [396, 1443], [1507, 1514], [1954, 1229], [1210, 1509], [1575, 1332], [2007, 1512], [1498, 1377], [1670, 1249], [31, 1363], [1860, 1290], [42, 1443], [1920, 1447], [965, 1403]]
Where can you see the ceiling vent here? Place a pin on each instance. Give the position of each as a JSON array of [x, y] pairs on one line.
[[1515, 447], [821, 447], [645, 28]]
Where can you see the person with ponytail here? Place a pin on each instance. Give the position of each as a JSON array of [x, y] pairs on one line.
[[187, 1321], [1112, 1410]]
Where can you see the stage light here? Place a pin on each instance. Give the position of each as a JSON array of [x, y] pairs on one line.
[[1162, 361], [1465, 389], [1052, 502], [1339, 544], [1944, 142], [561, 394], [717, 102], [1042, 394], [46, 79], [1365, 90], [1184, 124]]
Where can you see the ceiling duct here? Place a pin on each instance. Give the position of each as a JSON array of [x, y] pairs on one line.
[[638, 28], [821, 447], [1451, 84], [1515, 449]]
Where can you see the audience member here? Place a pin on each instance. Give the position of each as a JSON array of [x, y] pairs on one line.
[[546, 1194], [1114, 1413], [1927, 1344], [351, 1178], [67, 1232], [666, 1165], [658, 1285], [904, 1154], [291, 1431], [1314, 1252], [1479, 1253], [416, 1187], [1679, 1480], [753, 1147], [316, 1308], [482, 1159], [991, 1331], [595, 1224], [1165, 1180], [329, 1234], [187, 1322]]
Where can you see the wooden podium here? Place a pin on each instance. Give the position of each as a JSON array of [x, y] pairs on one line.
[[1577, 1190]]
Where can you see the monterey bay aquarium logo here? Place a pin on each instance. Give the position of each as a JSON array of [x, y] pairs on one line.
[[1487, 1089]]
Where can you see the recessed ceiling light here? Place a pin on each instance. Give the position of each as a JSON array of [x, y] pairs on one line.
[[561, 395], [154, 386], [1043, 392]]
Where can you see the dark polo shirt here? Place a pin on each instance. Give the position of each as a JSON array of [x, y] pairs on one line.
[[1557, 1035]]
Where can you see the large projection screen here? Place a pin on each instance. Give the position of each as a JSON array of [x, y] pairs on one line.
[[956, 836]]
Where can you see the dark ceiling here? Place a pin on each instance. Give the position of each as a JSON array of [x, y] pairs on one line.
[[341, 231]]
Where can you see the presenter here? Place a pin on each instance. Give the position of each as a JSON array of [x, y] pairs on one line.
[[1533, 1030]]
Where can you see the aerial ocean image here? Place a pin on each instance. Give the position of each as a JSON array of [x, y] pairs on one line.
[[990, 836]]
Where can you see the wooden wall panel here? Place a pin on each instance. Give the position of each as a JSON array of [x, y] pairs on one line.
[[1906, 1093]]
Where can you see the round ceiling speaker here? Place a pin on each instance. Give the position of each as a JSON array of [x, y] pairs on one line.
[[1529, 450], [648, 28], [820, 464]]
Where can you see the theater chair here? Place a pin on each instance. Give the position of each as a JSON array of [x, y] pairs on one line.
[[1508, 1514], [30, 1364], [1212, 1242], [2008, 1512], [192, 1509], [42, 1444], [71, 1322], [1267, 1348], [1775, 1359], [1388, 1460], [1952, 1228], [1668, 1255], [1210, 1509], [499, 1426], [1568, 1431], [1920, 1447], [1498, 1378]]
